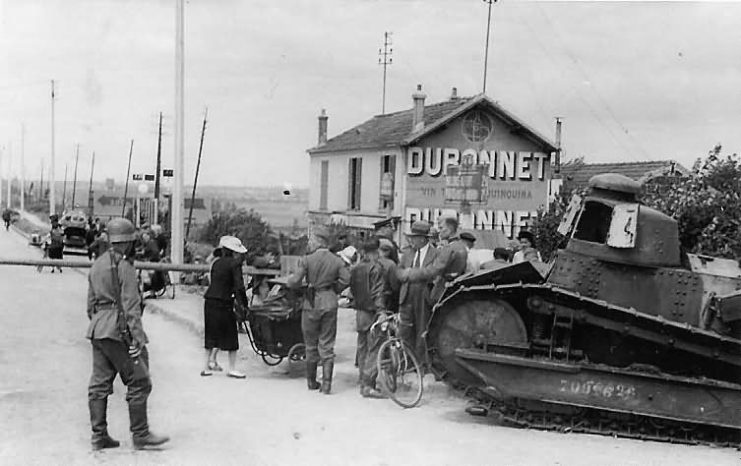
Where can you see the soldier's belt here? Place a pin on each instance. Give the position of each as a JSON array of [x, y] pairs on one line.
[[104, 307]]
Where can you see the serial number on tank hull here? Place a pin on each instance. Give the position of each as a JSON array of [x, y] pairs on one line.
[[598, 388]]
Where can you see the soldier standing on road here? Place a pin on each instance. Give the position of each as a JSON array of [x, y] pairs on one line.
[[368, 289], [118, 339], [326, 275]]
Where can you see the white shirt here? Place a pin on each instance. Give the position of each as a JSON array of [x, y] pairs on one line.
[[422, 254]]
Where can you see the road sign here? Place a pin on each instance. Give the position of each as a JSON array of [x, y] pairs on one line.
[[167, 172], [148, 177], [466, 183], [137, 177]]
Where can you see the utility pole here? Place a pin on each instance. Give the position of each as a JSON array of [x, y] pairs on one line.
[[64, 189], [74, 182], [176, 213], [41, 182], [157, 174], [23, 175], [486, 53], [90, 200], [52, 197], [557, 167], [384, 59], [9, 202], [128, 172], [195, 181]]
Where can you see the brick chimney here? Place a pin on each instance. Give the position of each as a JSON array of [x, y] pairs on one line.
[[454, 94], [418, 117], [323, 128]]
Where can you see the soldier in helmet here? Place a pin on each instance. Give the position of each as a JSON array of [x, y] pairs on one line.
[[326, 275], [118, 339]]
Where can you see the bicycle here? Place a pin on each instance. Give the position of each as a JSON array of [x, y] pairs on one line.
[[399, 373]]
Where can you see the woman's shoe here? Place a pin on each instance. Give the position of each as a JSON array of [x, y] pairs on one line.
[[206, 373], [236, 375], [214, 366]]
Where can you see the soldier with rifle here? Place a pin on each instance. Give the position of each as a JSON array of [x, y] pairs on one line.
[[118, 339]]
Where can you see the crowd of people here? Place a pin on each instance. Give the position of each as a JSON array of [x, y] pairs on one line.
[[378, 279]]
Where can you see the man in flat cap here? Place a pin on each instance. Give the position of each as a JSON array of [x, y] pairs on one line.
[[414, 297], [326, 275]]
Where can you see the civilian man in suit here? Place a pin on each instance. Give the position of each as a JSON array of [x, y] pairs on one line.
[[448, 264], [414, 297]]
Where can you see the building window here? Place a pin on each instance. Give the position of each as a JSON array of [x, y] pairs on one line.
[[388, 169], [355, 173], [324, 180]]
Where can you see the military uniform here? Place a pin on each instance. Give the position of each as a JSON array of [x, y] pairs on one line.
[[325, 275], [111, 354], [450, 262]]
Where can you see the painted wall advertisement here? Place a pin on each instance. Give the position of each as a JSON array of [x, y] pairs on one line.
[[487, 189]]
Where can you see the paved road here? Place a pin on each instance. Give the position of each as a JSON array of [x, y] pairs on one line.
[[268, 419]]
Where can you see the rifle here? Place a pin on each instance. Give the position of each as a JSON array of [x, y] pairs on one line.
[[123, 327]]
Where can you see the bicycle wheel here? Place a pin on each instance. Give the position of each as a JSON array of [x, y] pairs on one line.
[[399, 373]]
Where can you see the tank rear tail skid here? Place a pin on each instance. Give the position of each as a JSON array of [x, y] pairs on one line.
[[633, 401]]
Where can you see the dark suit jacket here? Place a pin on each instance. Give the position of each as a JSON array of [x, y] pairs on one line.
[[449, 263], [406, 262]]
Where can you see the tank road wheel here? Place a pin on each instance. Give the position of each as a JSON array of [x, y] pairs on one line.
[[470, 324]]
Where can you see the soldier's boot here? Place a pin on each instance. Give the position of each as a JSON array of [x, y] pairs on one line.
[[327, 369], [100, 438], [311, 381], [139, 425]]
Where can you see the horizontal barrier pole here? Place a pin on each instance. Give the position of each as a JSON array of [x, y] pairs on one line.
[[161, 266]]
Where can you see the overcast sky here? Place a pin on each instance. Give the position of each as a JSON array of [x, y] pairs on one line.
[[632, 80]]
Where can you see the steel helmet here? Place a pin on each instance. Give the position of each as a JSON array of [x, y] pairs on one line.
[[120, 230]]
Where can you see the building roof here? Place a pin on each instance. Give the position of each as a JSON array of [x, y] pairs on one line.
[[577, 173], [395, 129]]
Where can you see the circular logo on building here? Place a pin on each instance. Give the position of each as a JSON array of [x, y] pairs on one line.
[[477, 126]]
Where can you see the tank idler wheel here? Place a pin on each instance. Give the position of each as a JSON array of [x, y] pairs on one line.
[[467, 323]]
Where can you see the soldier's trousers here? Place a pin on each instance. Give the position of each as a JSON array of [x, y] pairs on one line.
[[319, 327], [111, 358]]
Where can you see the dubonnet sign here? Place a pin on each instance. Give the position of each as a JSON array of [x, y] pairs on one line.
[[486, 189]]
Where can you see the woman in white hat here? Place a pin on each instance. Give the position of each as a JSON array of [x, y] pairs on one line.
[[226, 285]]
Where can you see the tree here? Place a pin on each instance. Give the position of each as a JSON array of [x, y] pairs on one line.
[[706, 205], [247, 225]]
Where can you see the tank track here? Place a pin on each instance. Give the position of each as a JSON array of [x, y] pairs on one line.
[[555, 418], [569, 418]]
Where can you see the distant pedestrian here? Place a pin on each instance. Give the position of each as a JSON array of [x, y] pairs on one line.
[[6, 218], [326, 275], [55, 247], [118, 340], [220, 323]]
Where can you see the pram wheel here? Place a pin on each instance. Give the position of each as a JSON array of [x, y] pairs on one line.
[[271, 359]]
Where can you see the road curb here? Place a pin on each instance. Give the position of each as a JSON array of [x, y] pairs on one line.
[[175, 316]]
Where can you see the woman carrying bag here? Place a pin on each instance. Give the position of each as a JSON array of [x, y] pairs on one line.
[[227, 285]]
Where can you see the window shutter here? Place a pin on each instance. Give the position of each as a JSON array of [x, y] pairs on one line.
[[358, 178], [350, 182], [324, 179]]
